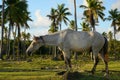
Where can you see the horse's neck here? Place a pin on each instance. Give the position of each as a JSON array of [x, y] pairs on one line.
[[51, 39]]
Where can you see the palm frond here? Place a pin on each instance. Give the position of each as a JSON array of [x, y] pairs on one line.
[[83, 6]]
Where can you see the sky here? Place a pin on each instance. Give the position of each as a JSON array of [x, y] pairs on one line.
[[39, 9]]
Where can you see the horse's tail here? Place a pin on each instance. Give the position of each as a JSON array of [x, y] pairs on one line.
[[105, 49]]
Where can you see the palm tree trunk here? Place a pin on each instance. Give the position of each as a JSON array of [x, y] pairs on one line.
[[1, 53], [114, 32], [75, 15], [92, 21], [19, 43], [24, 43], [114, 44], [60, 27], [14, 41], [8, 42]]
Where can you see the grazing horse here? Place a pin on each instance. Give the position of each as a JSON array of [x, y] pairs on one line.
[[68, 40]]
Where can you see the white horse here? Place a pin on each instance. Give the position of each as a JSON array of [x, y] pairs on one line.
[[68, 40]]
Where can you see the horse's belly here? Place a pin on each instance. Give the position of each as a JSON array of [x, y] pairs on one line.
[[81, 48]]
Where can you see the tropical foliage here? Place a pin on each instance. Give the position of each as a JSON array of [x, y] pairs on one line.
[[93, 10], [72, 25], [62, 14], [85, 26], [57, 16], [115, 18], [16, 16], [52, 16]]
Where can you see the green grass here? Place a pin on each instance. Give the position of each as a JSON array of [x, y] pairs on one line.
[[47, 69]]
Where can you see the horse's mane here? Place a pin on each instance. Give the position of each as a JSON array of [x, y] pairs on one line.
[[62, 31]]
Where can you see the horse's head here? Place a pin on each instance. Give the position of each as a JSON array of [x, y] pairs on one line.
[[35, 44]]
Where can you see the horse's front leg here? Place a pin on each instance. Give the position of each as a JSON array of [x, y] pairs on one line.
[[67, 60]]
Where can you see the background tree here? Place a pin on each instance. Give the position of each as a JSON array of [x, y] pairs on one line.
[[52, 16], [28, 36], [93, 10], [2, 32], [53, 27], [110, 38], [105, 34], [62, 14], [85, 26], [114, 16], [72, 25], [17, 15]]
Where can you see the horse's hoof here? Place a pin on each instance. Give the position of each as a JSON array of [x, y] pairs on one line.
[[106, 76], [92, 72]]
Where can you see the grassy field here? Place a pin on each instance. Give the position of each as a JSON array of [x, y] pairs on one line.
[[46, 69]]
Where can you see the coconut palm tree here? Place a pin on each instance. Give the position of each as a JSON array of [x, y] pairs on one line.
[[114, 16], [93, 10], [62, 14], [54, 26], [52, 16], [17, 15]]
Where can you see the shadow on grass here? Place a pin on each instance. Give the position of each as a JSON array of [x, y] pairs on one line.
[[20, 70], [84, 76], [79, 76], [114, 75]]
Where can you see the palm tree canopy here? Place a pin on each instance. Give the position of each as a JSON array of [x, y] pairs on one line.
[[62, 14], [94, 7], [52, 16], [16, 14], [57, 16], [114, 16], [93, 10]]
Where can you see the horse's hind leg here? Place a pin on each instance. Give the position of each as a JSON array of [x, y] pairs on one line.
[[105, 60], [96, 60], [66, 54]]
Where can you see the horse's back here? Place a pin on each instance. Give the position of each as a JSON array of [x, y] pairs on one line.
[[82, 40]]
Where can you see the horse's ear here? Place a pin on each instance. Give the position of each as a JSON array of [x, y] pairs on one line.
[[34, 37]]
